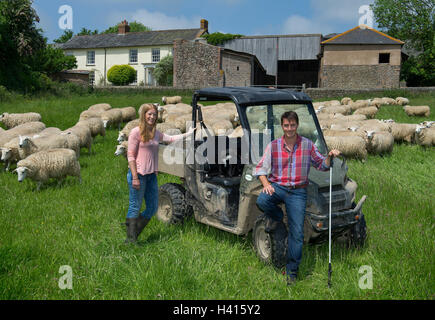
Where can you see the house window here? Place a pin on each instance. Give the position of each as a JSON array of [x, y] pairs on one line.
[[133, 56], [91, 58], [384, 58], [92, 78], [155, 55]]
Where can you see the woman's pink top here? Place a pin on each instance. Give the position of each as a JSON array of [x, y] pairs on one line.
[[146, 154]]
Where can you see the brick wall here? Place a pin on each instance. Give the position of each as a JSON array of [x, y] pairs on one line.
[[196, 65], [358, 77]]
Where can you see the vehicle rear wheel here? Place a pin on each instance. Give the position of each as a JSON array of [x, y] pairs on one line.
[[172, 204], [358, 233], [270, 247]]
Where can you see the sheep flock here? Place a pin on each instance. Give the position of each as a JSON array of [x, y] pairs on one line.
[[347, 125]]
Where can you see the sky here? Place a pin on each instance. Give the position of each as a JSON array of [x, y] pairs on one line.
[[246, 17]]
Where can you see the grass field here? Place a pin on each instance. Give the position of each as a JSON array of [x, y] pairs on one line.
[[79, 225]]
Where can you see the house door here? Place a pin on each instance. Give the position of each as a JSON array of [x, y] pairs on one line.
[[149, 76]]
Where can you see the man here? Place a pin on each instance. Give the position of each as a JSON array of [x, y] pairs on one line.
[[283, 170]]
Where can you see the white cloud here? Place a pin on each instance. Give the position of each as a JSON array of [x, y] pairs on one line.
[[296, 24]]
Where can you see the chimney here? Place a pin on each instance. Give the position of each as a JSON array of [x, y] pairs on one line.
[[123, 27], [204, 25]]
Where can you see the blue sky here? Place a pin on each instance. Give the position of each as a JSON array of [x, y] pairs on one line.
[[247, 17]]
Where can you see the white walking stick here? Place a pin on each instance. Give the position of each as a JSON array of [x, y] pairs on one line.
[[330, 219]]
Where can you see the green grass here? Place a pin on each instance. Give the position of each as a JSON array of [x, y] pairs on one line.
[[79, 225]]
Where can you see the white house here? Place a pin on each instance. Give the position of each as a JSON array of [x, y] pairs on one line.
[[141, 50]]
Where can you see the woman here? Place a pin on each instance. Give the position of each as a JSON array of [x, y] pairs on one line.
[[143, 155]]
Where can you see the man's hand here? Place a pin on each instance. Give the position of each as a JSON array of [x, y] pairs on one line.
[[268, 189]]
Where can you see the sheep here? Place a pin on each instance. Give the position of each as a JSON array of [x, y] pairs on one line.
[[171, 100], [401, 101], [344, 110], [1, 130], [84, 135], [96, 125], [353, 117], [28, 146], [374, 125], [112, 117], [9, 152], [180, 122], [425, 135], [121, 149], [420, 111], [379, 142], [369, 112], [167, 128], [349, 146], [49, 131], [403, 131], [238, 132], [11, 120], [220, 127], [346, 101], [43, 165], [386, 100], [358, 105], [125, 132], [128, 114], [90, 114], [22, 129], [100, 107]]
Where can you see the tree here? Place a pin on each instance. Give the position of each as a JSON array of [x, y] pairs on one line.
[[164, 71], [134, 27], [121, 75], [67, 35], [218, 38], [50, 61], [86, 32], [412, 21]]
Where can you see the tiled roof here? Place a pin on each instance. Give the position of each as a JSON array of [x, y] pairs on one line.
[[130, 39], [362, 35]]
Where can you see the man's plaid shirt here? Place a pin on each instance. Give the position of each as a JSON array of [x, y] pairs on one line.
[[290, 168]]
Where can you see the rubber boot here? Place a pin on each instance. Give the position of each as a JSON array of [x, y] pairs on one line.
[[141, 224], [131, 224]]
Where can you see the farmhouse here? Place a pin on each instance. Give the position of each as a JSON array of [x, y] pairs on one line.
[[142, 50]]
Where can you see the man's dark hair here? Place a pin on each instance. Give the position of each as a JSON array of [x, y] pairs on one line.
[[290, 115]]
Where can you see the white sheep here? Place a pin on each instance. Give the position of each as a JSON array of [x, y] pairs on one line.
[[100, 107], [374, 125], [388, 101], [346, 101], [349, 146], [425, 135], [401, 101], [379, 142], [128, 114], [9, 152], [96, 125], [167, 128], [53, 163], [112, 117], [121, 149], [403, 131], [369, 112], [91, 114], [419, 111], [84, 135], [11, 120], [125, 132], [238, 132], [171, 100], [358, 105], [28, 145], [49, 131], [376, 102], [27, 128]]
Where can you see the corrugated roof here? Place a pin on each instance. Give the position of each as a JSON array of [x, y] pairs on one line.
[[130, 39], [362, 35]]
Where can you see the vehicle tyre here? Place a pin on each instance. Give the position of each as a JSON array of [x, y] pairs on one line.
[[358, 233], [270, 247], [172, 204]]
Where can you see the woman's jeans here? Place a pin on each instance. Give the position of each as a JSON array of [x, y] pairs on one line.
[[295, 201], [148, 191]]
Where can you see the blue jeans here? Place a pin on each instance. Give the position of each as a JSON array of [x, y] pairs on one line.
[[148, 190], [295, 201]]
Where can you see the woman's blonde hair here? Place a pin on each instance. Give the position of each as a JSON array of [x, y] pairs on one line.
[[144, 128]]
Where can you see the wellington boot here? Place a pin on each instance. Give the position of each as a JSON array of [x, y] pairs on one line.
[[131, 224], [141, 224]]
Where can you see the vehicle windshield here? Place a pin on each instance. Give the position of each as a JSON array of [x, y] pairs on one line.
[[265, 124]]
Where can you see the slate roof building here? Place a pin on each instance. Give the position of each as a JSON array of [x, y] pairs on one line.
[[142, 50]]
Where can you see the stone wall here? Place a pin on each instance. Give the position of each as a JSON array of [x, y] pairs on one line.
[[196, 65], [237, 70], [359, 77]]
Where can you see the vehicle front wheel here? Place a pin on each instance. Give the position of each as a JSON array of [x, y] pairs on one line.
[[270, 247], [172, 204]]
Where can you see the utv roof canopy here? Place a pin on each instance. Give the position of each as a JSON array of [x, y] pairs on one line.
[[251, 95]]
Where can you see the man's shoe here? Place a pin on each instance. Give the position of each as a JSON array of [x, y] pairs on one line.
[[291, 279], [271, 225]]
